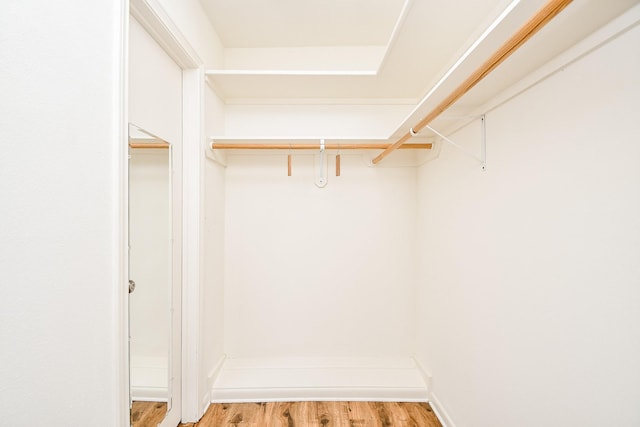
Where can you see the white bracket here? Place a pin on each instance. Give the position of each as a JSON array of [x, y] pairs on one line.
[[321, 167], [483, 143]]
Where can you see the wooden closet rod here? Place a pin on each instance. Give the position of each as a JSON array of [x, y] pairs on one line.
[[231, 146], [149, 145], [539, 20]]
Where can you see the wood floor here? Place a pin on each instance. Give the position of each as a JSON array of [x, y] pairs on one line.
[[147, 414], [318, 414]]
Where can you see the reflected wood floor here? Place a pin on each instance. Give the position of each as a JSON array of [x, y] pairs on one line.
[[147, 414], [318, 414]]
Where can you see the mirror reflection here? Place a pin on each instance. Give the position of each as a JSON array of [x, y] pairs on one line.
[[150, 276]]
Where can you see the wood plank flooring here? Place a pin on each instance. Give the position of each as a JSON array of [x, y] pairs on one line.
[[147, 414], [318, 414]]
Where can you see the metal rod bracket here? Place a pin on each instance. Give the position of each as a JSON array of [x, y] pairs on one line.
[[321, 167]]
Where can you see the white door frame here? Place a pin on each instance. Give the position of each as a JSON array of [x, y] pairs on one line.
[[159, 25]]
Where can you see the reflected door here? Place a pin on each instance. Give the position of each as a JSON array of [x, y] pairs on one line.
[[151, 285]]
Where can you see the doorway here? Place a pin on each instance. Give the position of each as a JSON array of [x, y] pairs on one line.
[[165, 96]]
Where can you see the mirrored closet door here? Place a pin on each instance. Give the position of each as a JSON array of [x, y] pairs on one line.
[[151, 293]]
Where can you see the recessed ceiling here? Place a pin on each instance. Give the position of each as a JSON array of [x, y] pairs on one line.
[[296, 23], [428, 36]]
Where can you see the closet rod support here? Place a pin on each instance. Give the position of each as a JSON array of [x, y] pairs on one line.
[[483, 144]]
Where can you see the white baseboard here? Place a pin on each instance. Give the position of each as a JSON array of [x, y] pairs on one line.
[[267, 380], [438, 409]]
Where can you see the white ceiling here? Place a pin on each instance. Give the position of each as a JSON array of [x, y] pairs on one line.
[[381, 51]]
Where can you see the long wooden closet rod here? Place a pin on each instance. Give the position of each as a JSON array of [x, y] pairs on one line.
[[231, 146], [539, 20], [149, 145]]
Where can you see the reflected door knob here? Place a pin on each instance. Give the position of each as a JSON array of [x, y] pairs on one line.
[[132, 286]]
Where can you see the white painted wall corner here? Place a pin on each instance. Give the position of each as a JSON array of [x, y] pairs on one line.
[[211, 379], [437, 407], [426, 375]]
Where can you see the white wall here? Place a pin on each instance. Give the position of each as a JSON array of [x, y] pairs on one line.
[[315, 272], [529, 276], [62, 167], [313, 121]]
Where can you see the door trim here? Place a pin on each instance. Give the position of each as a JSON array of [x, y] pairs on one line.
[[155, 20]]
